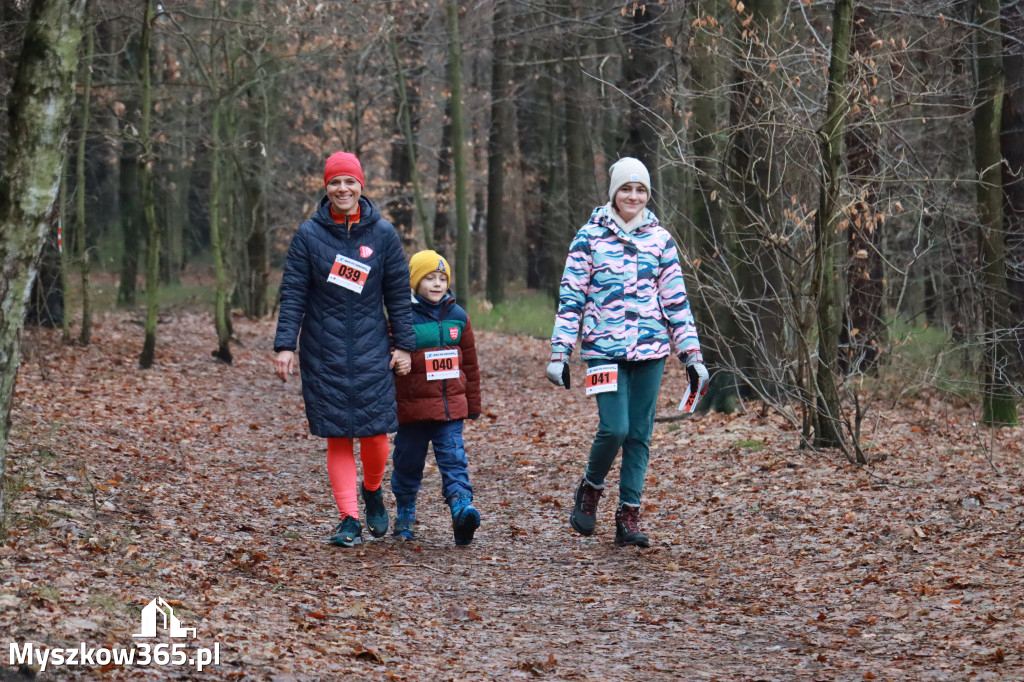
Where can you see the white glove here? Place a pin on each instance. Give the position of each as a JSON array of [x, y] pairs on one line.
[[697, 373], [554, 372]]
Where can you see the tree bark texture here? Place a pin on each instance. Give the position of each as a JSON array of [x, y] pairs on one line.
[[81, 245], [129, 186], [218, 241], [499, 149], [827, 240], [998, 398], [641, 69], [462, 245], [426, 235], [1012, 146], [861, 334], [40, 106], [148, 353], [752, 323]]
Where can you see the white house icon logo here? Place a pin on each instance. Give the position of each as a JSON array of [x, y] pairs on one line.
[[171, 622]]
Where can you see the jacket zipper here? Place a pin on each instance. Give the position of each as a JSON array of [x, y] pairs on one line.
[[348, 314], [444, 382]]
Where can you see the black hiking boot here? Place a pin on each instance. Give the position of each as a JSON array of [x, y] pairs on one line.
[[627, 527], [376, 513], [584, 509]]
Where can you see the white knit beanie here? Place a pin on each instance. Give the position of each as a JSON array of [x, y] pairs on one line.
[[628, 169]]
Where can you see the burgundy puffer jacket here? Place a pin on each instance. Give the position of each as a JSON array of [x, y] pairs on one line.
[[440, 326]]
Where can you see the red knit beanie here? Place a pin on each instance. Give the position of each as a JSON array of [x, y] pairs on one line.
[[343, 163]]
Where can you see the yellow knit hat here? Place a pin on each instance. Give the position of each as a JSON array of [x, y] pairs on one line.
[[425, 262]]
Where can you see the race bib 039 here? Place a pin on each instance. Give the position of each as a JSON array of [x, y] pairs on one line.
[[349, 274]]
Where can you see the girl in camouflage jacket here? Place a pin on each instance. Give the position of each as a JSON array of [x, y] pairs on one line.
[[622, 282]]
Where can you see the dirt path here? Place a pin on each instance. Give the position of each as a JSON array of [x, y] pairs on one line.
[[197, 483]]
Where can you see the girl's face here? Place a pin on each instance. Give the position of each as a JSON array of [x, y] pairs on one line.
[[433, 286], [344, 191], [630, 199]]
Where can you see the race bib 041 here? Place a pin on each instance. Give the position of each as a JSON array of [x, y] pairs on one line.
[[349, 274], [602, 379]]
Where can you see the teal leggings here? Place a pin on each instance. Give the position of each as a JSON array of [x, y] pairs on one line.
[[626, 421]]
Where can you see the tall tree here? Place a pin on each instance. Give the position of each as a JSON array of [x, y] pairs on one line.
[[828, 256], [81, 245], [499, 149], [40, 105], [461, 178], [129, 187], [863, 326], [998, 401], [411, 156], [1012, 145], [145, 159]]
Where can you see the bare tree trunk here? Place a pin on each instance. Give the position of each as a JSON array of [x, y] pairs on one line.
[[81, 241], [148, 206], [462, 245], [40, 104], [752, 324], [129, 187], [998, 403], [405, 122], [65, 256], [1012, 146], [131, 222], [640, 69], [864, 327], [827, 241], [221, 309], [500, 147]]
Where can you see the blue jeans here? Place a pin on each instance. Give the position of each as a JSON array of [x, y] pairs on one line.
[[411, 443], [626, 420]]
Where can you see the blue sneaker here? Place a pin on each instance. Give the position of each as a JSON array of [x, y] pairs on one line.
[[405, 520], [348, 533], [376, 513], [465, 518]]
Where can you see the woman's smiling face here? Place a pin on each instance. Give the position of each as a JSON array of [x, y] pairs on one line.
[[344, 191]]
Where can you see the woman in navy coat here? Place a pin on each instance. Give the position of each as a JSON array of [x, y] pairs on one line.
[[345, 266]]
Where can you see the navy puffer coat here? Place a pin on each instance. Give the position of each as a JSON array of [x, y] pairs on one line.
[[348, 388]]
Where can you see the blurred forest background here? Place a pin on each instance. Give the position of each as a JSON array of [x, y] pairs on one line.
[[843, 178]]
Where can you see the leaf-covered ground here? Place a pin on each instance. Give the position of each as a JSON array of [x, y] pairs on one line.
[[198, 483]]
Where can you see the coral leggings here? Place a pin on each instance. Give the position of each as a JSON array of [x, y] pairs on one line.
[[341, 467]]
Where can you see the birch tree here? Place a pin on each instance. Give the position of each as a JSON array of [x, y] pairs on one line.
[[40, 106]]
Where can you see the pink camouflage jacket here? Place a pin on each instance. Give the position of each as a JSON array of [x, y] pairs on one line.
[[628, 290]]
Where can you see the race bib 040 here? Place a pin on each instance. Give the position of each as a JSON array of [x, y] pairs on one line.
[[349, 274], [442, 364]]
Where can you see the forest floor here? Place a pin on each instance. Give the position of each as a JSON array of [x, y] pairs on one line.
[[197, 482]]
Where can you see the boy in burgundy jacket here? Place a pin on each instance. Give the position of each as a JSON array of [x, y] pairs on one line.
[[441, 390]]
